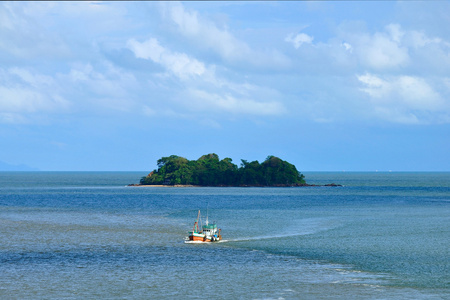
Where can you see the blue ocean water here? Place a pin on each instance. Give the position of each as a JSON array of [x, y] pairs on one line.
[[88, 235]]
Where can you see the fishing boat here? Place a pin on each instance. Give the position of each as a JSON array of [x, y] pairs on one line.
[[204, 233]]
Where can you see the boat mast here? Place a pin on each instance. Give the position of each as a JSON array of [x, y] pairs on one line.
[[196, 222]]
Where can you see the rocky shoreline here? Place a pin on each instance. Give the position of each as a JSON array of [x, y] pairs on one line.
[[276, 185]]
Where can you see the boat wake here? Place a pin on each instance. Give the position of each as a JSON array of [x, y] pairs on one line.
[[266, 237], [300, 228]]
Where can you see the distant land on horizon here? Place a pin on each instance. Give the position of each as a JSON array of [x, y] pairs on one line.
[[10, 167]]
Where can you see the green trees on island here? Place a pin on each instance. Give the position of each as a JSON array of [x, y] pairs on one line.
[[208, 170]]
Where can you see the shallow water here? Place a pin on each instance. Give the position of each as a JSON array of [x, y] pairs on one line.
[[88, 235]]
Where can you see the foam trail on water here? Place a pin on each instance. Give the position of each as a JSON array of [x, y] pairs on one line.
[[299, 228]]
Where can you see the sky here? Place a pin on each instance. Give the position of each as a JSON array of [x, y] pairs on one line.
[[325, 85]]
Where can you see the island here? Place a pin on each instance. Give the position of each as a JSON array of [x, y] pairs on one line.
[[208, 170]]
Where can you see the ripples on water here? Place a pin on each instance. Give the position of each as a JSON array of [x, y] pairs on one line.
[[86, 235]]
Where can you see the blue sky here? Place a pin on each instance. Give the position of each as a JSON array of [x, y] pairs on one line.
[[325, 85]]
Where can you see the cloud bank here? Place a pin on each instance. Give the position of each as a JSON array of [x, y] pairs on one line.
[[185, 61]]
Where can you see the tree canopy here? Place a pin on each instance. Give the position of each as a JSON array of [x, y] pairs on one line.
[[208, 170]]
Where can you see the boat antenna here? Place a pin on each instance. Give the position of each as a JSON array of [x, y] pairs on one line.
[[200, 220], [207, 208]]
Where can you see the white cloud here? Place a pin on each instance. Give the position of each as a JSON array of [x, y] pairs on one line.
[[149, 49], [375, 86], [395, 49], [12, 118], [299, 39], [206, 101], [211, 93], [395, 32], [18, 102], [404, 99], [35, 80], [188, 22], [24, 32], [347, 47], [179, 64], [418, 39], [101, 87], [192, 25], [380, 51], [210, 61], [27, 95], [206, 35], [23, 92], [418, 94], [80, 73], [415, 92]]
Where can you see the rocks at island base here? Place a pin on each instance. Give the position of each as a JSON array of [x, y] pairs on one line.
[[276, 185], [306, 185], [333, 184]]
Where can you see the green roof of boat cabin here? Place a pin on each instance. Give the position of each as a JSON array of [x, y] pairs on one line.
[[209, 226]]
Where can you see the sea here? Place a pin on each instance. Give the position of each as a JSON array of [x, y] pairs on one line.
[[87, 235]]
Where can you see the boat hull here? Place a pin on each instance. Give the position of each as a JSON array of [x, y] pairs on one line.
[[196, 238], [205, 239]]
